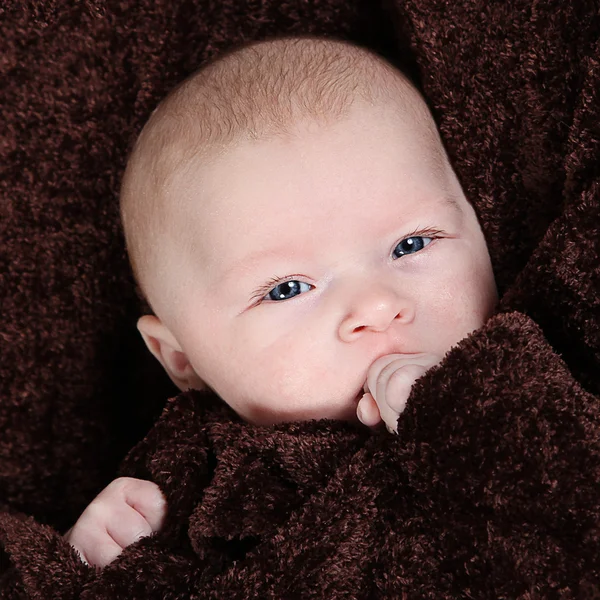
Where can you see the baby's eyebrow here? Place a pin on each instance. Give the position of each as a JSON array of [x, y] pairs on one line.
[[452, 201], [251, 261]]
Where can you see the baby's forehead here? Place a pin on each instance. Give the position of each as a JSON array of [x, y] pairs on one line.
[[201, 178], [367, 148]]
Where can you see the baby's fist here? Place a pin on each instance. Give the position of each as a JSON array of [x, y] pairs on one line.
[[389, 381], [122, 513]]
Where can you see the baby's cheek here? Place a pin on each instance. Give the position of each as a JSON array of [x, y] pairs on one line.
[[457, 311], [294, 375]]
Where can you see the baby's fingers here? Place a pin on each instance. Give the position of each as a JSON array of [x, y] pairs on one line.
[[142, 496], [126, 526], [392, 388], [93, 543], [393, 383], [367, 411]]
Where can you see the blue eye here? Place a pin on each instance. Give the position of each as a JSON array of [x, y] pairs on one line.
[[410, 245], [287, 290]]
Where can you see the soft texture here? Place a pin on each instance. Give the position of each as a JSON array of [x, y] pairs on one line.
[[491, 489]]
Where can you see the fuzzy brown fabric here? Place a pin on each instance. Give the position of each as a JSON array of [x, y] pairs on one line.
[[492, 487]]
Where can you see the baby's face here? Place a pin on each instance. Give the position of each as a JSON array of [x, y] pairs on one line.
[[303, 259]]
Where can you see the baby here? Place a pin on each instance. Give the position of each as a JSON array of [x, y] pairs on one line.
[[306, 248]]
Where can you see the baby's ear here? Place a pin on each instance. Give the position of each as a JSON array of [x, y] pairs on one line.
[[168, 352]]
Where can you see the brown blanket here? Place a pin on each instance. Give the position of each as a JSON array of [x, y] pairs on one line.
[[491, 488]]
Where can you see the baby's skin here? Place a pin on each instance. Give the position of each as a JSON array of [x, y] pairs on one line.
[[129, 509]]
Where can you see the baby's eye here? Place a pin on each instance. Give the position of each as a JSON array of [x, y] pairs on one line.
[[410, 245], [287, 290]]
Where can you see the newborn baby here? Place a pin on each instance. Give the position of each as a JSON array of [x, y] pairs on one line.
[[306, 248]]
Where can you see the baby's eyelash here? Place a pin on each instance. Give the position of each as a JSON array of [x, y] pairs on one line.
[[424, 232], [430, 232], [261, 291]]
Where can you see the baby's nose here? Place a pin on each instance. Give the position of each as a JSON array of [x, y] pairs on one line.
[[374, 309]]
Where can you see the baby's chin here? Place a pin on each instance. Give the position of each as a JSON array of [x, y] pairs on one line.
[[346, 412]]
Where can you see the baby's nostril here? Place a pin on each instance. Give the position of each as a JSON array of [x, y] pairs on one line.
[[359, 328]]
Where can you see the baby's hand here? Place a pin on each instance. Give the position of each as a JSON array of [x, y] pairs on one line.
[[124, 511], [388, 386]]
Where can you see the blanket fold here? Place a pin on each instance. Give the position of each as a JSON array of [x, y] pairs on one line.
[[492, 484]]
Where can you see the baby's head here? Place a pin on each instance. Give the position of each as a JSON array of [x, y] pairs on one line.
[[291, 216]]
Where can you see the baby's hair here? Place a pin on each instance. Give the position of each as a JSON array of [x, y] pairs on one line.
[[254, 92]]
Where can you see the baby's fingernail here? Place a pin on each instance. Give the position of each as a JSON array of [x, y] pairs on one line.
[[359, 412], [364, 410]]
